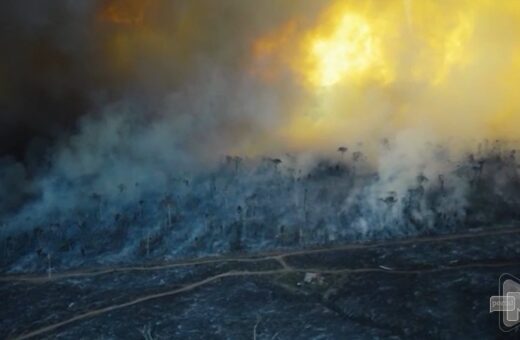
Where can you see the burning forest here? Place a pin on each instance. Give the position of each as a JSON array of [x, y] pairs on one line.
[[243, 138]]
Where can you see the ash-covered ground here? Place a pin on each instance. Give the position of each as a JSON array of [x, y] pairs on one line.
[[435, 287]]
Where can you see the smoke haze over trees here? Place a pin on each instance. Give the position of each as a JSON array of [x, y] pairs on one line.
[[181, 127]]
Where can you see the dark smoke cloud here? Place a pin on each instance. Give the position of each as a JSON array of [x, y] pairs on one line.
[[63, 59], [94, 88], [45, 85]]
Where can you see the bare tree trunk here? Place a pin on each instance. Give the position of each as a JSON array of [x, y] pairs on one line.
[[305, 217], [169, 216], [148, 244], [254, 328], [49, 266]]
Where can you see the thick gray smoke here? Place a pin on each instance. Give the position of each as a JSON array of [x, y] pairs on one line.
[[162, 144], [86, 82]]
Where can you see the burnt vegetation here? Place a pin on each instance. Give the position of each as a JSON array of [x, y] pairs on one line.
[[246, 205]]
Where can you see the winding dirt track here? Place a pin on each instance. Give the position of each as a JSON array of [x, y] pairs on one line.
[[277, 256], [208, 280], [280, 257]]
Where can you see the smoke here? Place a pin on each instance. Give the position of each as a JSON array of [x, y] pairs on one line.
[[99, 87], [107, 107], [334, 72], [370, 70]]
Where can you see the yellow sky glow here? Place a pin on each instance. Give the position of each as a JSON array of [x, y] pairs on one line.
[[372, 69]]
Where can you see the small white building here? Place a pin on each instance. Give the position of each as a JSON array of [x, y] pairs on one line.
[[313, 278]]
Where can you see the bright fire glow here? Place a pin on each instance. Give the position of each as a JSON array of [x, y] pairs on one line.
[[345, 70], [349, 49], [372, 69]]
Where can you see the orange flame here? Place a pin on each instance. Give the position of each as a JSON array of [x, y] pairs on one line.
[[124, 12], [266, 63]]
